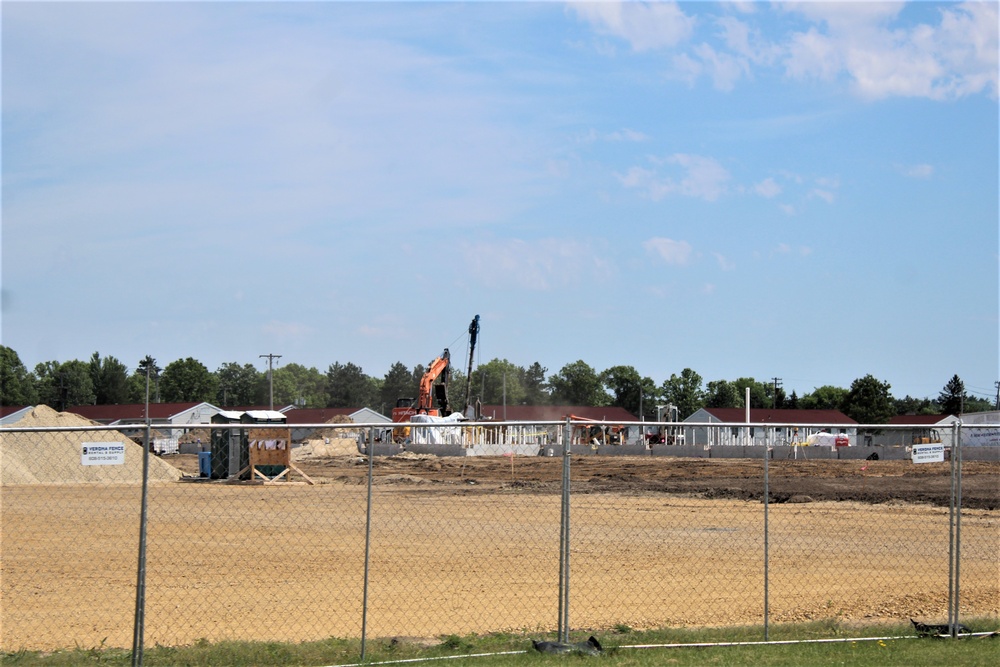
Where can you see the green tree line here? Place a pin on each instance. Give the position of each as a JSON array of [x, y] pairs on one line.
[[109, 381]]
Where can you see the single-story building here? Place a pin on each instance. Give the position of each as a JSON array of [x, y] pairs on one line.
[[170, 420], [298, 416], [532, 414], [768, 426], [913, 429], [11, 414], [160, 414]]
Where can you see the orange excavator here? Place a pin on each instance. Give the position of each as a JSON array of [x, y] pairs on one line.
[[432, 398], [433, 389]]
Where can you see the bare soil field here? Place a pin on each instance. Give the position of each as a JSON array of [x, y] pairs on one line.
[[743, 479], [471, 545]]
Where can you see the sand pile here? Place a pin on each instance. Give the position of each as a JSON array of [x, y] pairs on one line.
[[325, 448], [53, 457], [328, 442], [332, 434]]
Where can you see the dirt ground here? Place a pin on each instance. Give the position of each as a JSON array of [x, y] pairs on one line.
[[742, 479], [471, 545]]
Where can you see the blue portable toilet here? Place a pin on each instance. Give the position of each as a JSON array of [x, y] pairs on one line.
[[205, 464]]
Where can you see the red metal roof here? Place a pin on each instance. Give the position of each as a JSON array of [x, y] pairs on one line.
[[130, 411], [921, 420], [779, 416], [11, 409]]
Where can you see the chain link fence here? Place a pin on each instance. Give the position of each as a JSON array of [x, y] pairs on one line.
[[105, 544]]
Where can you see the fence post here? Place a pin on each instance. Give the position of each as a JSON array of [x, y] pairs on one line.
[[139, 620], [956, 456], [368, 542], [564, 537], [951, 533], [767, 494]]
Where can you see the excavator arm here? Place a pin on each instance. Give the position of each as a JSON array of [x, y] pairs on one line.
[[439, 368]]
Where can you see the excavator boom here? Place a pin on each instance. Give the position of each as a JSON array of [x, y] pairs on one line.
[[439, 368], [432, 398]]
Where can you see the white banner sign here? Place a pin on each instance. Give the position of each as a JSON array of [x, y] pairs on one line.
[[933, 453], [102, 454], [981, 437]]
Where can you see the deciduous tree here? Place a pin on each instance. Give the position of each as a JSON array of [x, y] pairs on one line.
[[759, 392], [294, 384], [869, 401], [496, 382], [110, 378], [187, 380], [577, 383], [630, 390], [239, 385], [685, 392], [61, 385], [722, 394], [826, 397], [17, 384]]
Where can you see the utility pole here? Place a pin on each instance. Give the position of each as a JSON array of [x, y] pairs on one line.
[[997, 385], [774, 397], [270, 373]]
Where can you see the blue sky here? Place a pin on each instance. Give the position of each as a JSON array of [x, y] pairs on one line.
[[797, 190]]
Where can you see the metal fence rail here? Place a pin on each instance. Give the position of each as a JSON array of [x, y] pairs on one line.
[[126, 551]]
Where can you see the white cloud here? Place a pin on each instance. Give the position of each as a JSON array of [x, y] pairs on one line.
[[811, 54], [675, 253], [747, 41], [865, 42], [645, 26], [743, 6], [919, 171], [825, 195], [724, 264], [701, 177], [742, 48], [705, 177], [767, 188], [876, 47], [724, 69], [685, 68], [538, 265], [787, 249], [627, 135]]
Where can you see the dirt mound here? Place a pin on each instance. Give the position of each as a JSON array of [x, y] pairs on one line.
[[48, 457], [332, 434], [325, 447]]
